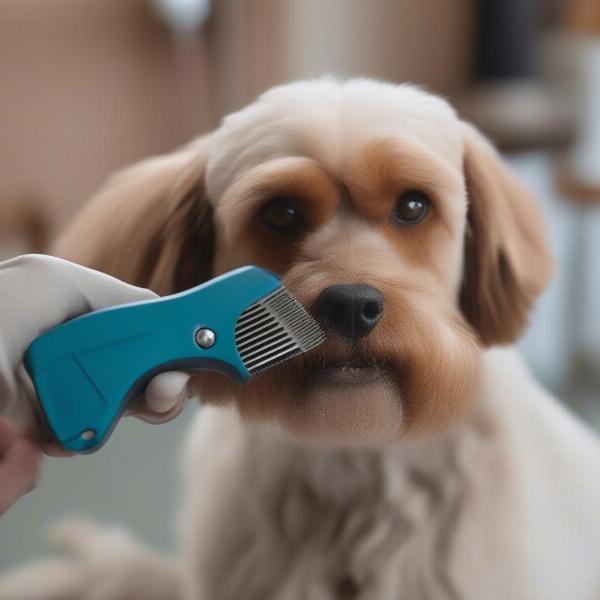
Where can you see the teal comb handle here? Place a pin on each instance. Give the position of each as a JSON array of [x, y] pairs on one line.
[[86, 371]]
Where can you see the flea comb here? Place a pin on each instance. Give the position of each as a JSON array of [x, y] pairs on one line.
[[86, 371]]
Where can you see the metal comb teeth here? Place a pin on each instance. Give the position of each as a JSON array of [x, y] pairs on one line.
[[275, 329]]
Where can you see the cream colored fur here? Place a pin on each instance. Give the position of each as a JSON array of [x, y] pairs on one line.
[[504, 505]]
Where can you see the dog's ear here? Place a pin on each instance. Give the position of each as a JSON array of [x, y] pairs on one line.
[[507, 262], [151, 225]]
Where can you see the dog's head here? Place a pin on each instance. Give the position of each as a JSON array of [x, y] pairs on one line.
[[393, 221]]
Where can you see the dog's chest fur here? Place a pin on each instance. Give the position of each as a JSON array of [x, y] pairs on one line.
[[338, 524]]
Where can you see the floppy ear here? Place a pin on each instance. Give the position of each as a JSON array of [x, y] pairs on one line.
[[151, 225], [507, 262]]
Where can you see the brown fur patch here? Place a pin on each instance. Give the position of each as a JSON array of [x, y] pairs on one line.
[[246, 239], [385, 169], [507, 261]]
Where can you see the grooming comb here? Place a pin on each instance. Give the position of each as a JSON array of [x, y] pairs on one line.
[[86, 371]]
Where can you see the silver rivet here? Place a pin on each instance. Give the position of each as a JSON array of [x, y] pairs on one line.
[[88, 435], [205, 338]]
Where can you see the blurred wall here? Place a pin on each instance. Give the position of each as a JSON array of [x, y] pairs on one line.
[[89, 86], [420, 41]]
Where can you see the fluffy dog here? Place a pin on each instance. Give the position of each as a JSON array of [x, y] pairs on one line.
[[403, 458]]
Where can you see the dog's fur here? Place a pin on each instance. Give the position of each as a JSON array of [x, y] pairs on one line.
[[451, 474]]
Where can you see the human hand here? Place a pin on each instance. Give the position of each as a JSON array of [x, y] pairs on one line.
[[20, 462], [39, 292]]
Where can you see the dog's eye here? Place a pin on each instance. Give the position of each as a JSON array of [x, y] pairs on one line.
[[411, 207], [282, 214]]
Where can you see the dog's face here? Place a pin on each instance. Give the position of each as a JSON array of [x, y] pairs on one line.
[[392, 221]]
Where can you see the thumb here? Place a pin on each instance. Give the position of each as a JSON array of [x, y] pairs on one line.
[[39, 292], [102, 290]]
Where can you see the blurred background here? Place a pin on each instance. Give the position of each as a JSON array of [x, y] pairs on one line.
[[89, 86]]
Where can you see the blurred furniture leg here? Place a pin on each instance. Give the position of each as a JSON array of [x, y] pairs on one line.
[[577, 175], [585, 199]]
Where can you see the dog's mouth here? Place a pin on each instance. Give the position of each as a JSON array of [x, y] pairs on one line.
[[352, 373], [347, 372]]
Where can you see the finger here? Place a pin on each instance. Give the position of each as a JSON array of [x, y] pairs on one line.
[[38, 292], [166, 390], [56, 450], [154, 418], [102, 290], [19, 471], [8, 434]]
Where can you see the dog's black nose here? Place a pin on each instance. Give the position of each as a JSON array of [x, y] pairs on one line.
[[352, 309]]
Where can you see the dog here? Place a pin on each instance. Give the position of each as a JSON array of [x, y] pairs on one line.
[[412, 455]]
